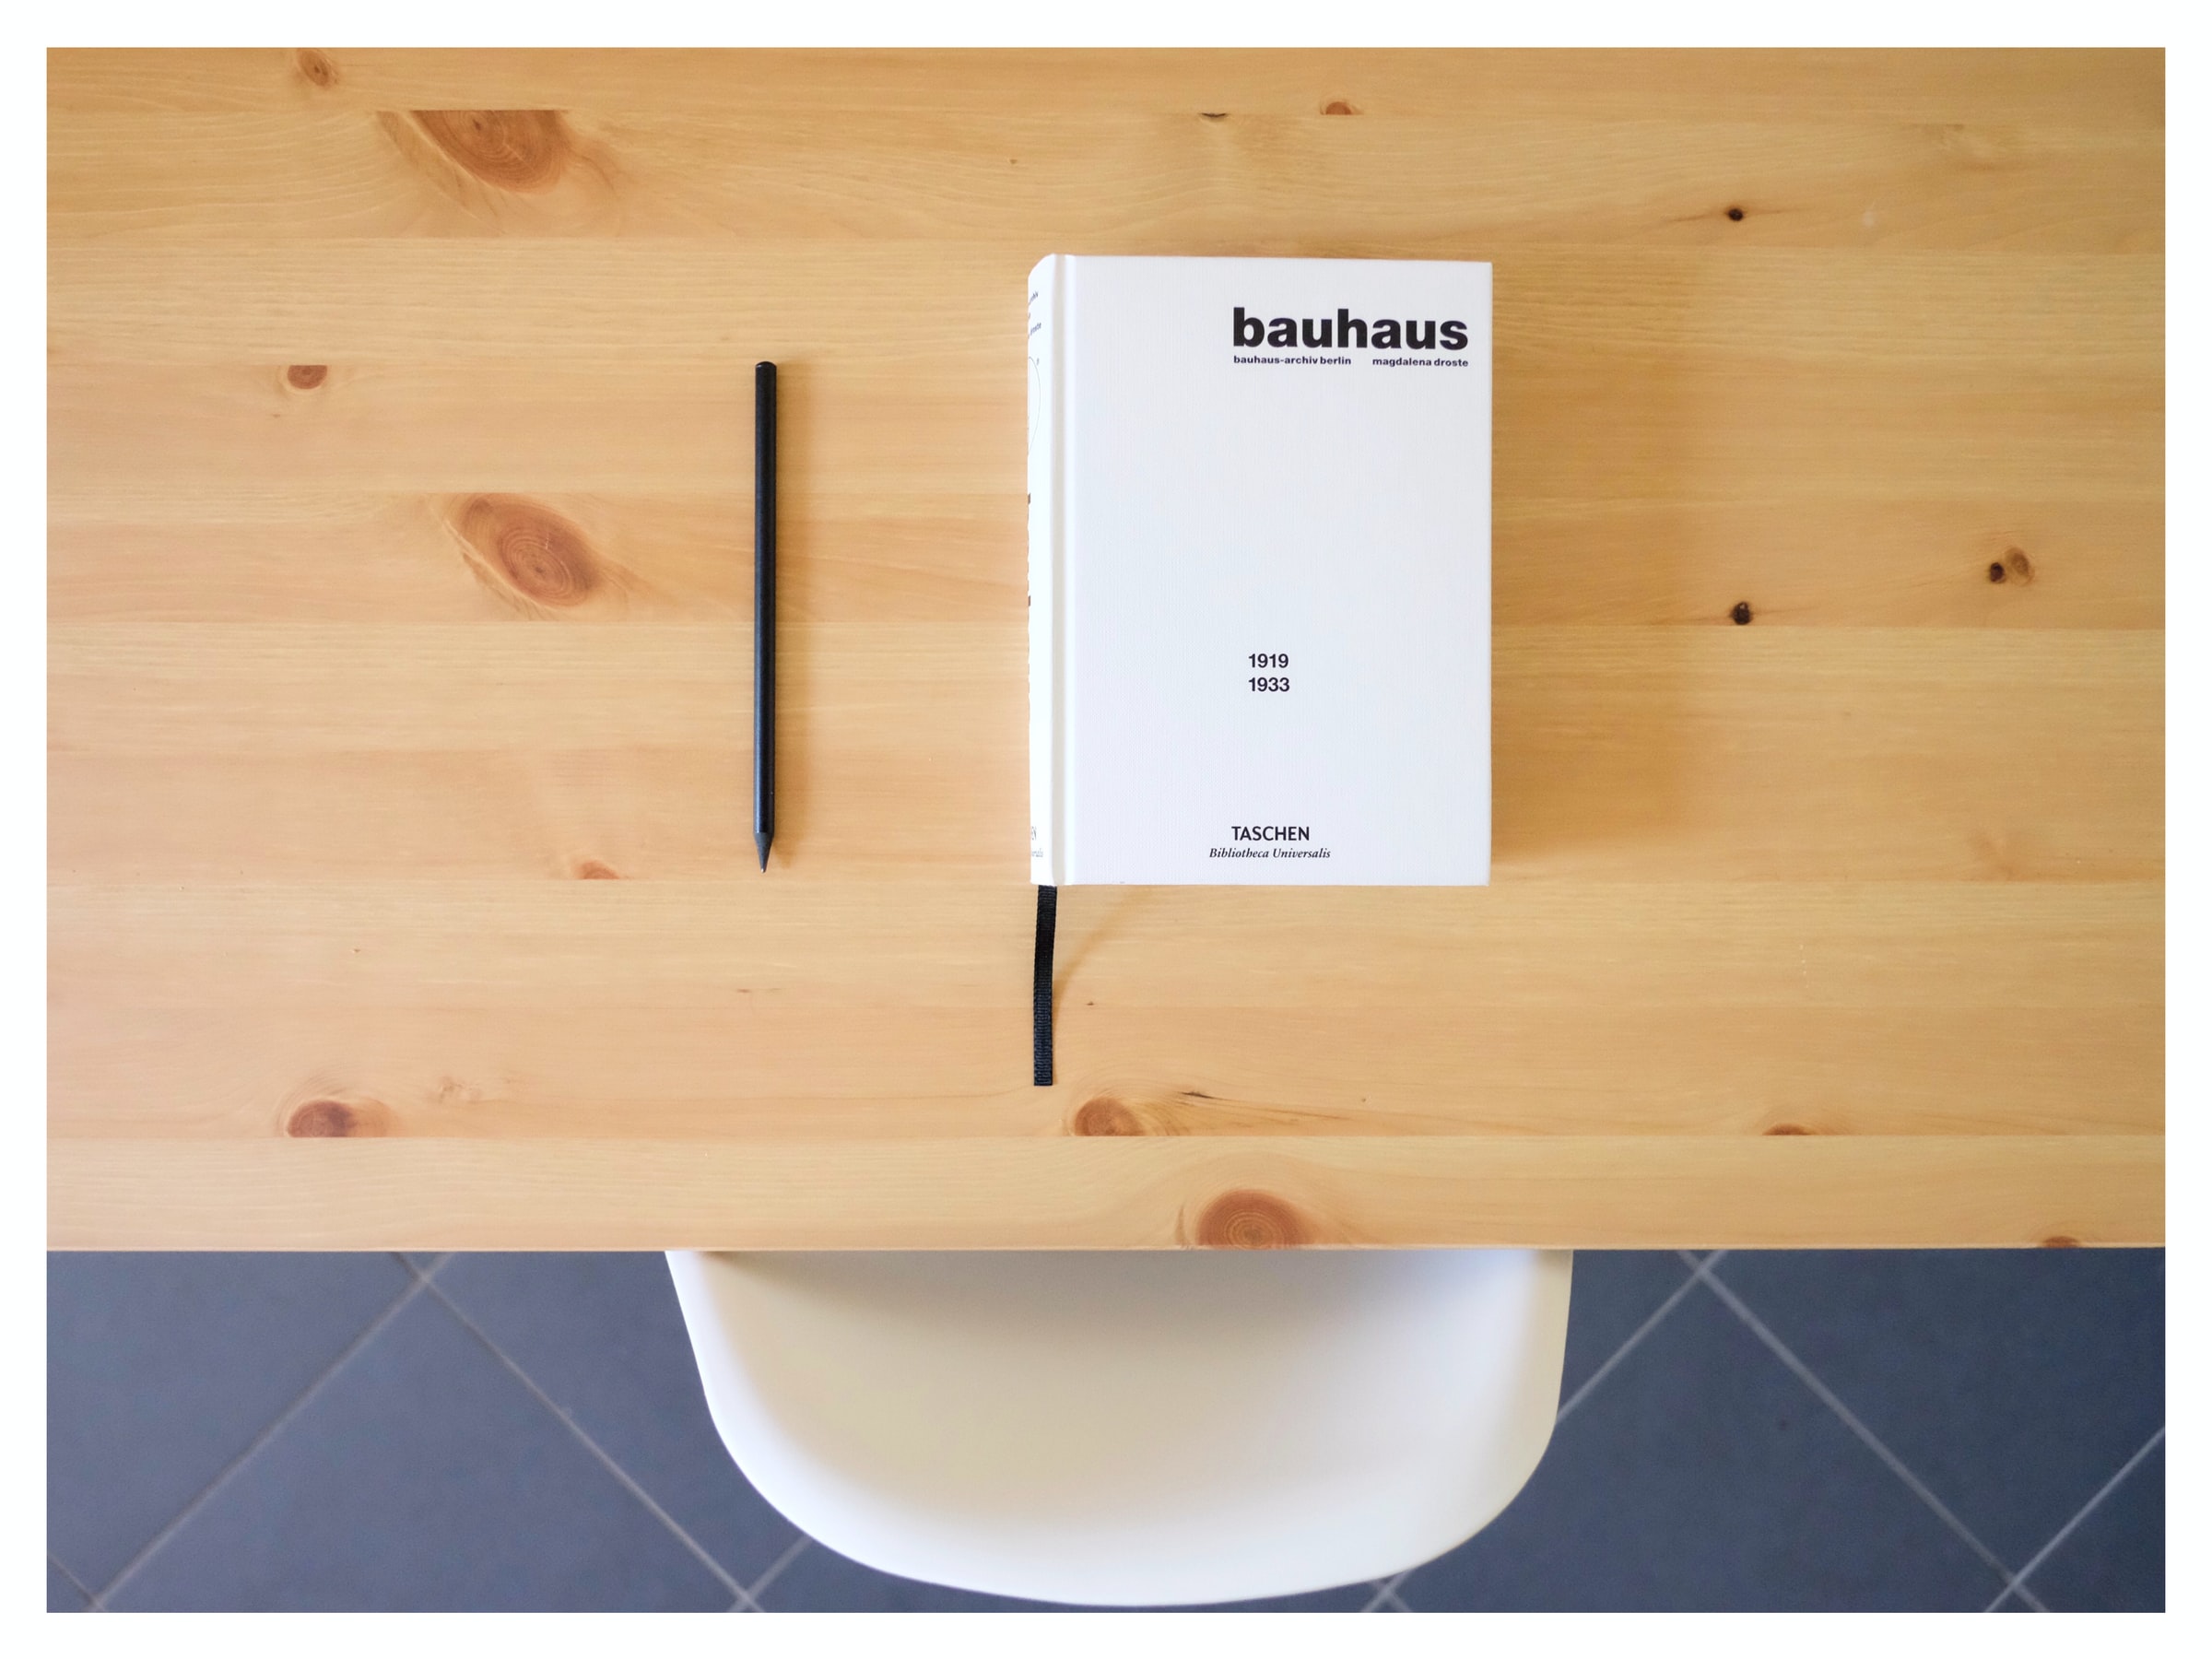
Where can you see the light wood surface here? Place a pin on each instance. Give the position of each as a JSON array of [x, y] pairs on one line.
[[402, 886]]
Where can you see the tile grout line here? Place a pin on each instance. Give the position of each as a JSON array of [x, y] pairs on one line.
[[92, 1599], [267, 1434], [1387, 1589], [775, 1568], [1650, 1325], [589, 1444], [1873, 1443], [2081, 1514]]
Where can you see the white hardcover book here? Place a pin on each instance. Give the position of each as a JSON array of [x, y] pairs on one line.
[[1259, 572]]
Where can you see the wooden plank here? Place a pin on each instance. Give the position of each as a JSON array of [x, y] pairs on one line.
[[632, 307], [1226, 184], [751, 1070], [130, 553], [654, 427], [288, 947], [2068, 88], [1594, 1193], [1700, 754]]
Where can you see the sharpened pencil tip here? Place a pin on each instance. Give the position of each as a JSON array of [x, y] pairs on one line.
[[761, 842]]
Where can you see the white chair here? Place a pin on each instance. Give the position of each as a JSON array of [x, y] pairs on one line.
[[1130, 1427]]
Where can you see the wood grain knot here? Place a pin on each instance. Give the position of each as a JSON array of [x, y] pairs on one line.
[[319, 70], [1338, 107], [1252, 1220], [2061, 1241], [1789, 1129], [521, 150], [530, 550], [2017, 563], [306, 377], [591, 869], [1737, 214], [1740, 613], [1213, 114], [1106, 1115], [331, 1120]]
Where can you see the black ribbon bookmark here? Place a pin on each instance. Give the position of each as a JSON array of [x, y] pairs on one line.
[[1041, 1001]]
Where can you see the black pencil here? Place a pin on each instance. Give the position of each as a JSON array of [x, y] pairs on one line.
[[764, 607]]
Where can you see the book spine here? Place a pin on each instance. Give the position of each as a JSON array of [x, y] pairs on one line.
[[1047, 572]]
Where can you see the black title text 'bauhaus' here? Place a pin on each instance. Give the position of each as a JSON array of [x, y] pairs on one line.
[[1344, 330]]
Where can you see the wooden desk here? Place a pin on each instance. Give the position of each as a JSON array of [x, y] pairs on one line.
[[402, 882]]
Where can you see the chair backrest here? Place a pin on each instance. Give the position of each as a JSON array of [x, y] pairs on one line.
[[1134, 1428]]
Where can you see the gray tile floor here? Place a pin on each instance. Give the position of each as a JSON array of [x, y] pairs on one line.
[[1847, 1429]]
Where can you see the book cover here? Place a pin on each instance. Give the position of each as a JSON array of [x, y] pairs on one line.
[[1259, 572]]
